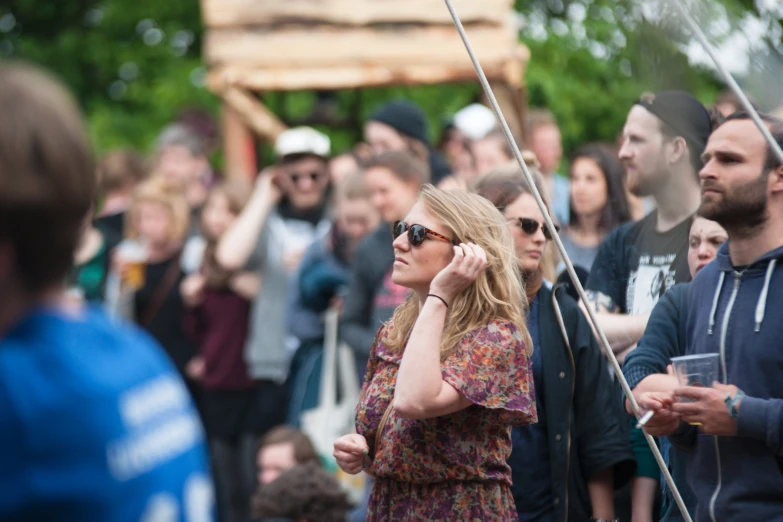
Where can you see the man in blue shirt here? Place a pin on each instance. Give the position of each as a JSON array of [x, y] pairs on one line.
[[95, 423], [733, 429]]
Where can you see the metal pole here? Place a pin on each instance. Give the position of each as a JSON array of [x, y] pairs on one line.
[[569, 266], [754, 115]]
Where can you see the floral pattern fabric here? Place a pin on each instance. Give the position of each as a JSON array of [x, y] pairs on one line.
[[451, 467]]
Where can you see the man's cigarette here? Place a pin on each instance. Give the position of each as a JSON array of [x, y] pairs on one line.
[[645, 418]]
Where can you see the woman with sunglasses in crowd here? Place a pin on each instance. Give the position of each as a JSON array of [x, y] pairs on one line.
[[567, 465], [449, 374]]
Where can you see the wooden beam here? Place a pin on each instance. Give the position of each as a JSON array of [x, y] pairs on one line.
[[253, 113], [236, 13], [238, 147], [357, 76], [328, 46]]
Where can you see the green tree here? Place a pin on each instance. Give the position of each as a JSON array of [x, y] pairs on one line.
[[135, 65]]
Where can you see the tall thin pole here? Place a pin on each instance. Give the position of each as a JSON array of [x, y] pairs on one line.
[[569, 265]]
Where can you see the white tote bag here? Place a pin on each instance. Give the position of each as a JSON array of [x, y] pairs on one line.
[[332, 419]]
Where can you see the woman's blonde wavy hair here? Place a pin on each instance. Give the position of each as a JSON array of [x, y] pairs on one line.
[[160, 191], [498, 292]]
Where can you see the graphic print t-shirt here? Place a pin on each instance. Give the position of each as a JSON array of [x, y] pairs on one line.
[[636, 264]]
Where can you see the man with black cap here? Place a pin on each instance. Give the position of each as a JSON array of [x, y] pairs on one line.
[[402, 125], [662, 141]]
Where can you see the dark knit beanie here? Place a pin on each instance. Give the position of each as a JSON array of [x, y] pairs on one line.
[[683, 113], [405, 117]]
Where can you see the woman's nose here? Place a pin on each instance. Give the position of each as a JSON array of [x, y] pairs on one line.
[[401, 242]]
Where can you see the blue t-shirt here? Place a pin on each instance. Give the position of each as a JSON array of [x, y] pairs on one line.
[[529, 461], [96, 425]]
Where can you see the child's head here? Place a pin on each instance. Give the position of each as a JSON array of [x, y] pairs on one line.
[[224, 204]]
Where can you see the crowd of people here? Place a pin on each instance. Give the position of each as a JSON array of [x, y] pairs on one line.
[[162, 329]]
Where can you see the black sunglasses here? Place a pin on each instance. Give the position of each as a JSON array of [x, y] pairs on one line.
[[531, 226], [418, 233], [297, 176]]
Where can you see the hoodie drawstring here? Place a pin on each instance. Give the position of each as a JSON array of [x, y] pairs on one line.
[[761, 306], [715, 303]]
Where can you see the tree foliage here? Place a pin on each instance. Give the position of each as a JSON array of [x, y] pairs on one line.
[[135, 65]]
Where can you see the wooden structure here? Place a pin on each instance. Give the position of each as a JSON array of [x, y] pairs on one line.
[[254, 46]]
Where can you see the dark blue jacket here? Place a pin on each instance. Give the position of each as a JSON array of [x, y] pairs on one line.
[[737, 314], [664, 338], [584, 423]]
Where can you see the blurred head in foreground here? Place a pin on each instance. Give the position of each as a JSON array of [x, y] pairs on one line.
[[47, 186], [304, 493]]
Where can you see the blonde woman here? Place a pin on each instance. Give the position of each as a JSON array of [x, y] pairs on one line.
[[449, 374], [159, 217]]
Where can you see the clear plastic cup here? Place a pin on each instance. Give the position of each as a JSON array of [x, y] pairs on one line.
[[697, 370], [133, 255]]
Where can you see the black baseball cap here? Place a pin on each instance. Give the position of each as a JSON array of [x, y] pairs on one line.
[[683, 113]]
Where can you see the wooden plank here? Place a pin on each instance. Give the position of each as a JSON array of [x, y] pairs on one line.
[[253, 113], [238, 147], [359, 75], [330, 47], [237, 13]]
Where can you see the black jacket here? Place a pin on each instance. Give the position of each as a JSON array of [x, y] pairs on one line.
[[586, 427], [363, 313]]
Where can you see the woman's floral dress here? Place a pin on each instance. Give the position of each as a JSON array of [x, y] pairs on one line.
[[451, 467]]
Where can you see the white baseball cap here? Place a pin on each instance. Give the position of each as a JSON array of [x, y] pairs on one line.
[[302, 140], [475, 121]]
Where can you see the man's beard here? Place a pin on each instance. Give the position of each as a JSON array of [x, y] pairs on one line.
[[742, 211], [644, 183], [641, 187]]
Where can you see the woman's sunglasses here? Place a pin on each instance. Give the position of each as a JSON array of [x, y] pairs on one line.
[[418, 233], [531, 226]]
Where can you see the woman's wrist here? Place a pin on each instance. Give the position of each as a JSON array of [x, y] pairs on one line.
[[437, 298]]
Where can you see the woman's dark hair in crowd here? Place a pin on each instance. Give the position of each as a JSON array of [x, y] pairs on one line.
[[304, 451], [404, 165], [306, 492], [617, 209]]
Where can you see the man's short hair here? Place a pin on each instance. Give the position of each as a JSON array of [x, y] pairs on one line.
[[775, 125], [47, 175], [177, 134], [304, 451], [538, 117]]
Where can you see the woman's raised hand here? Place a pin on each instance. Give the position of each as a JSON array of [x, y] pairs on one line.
[[468, 263], [350, 451]]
